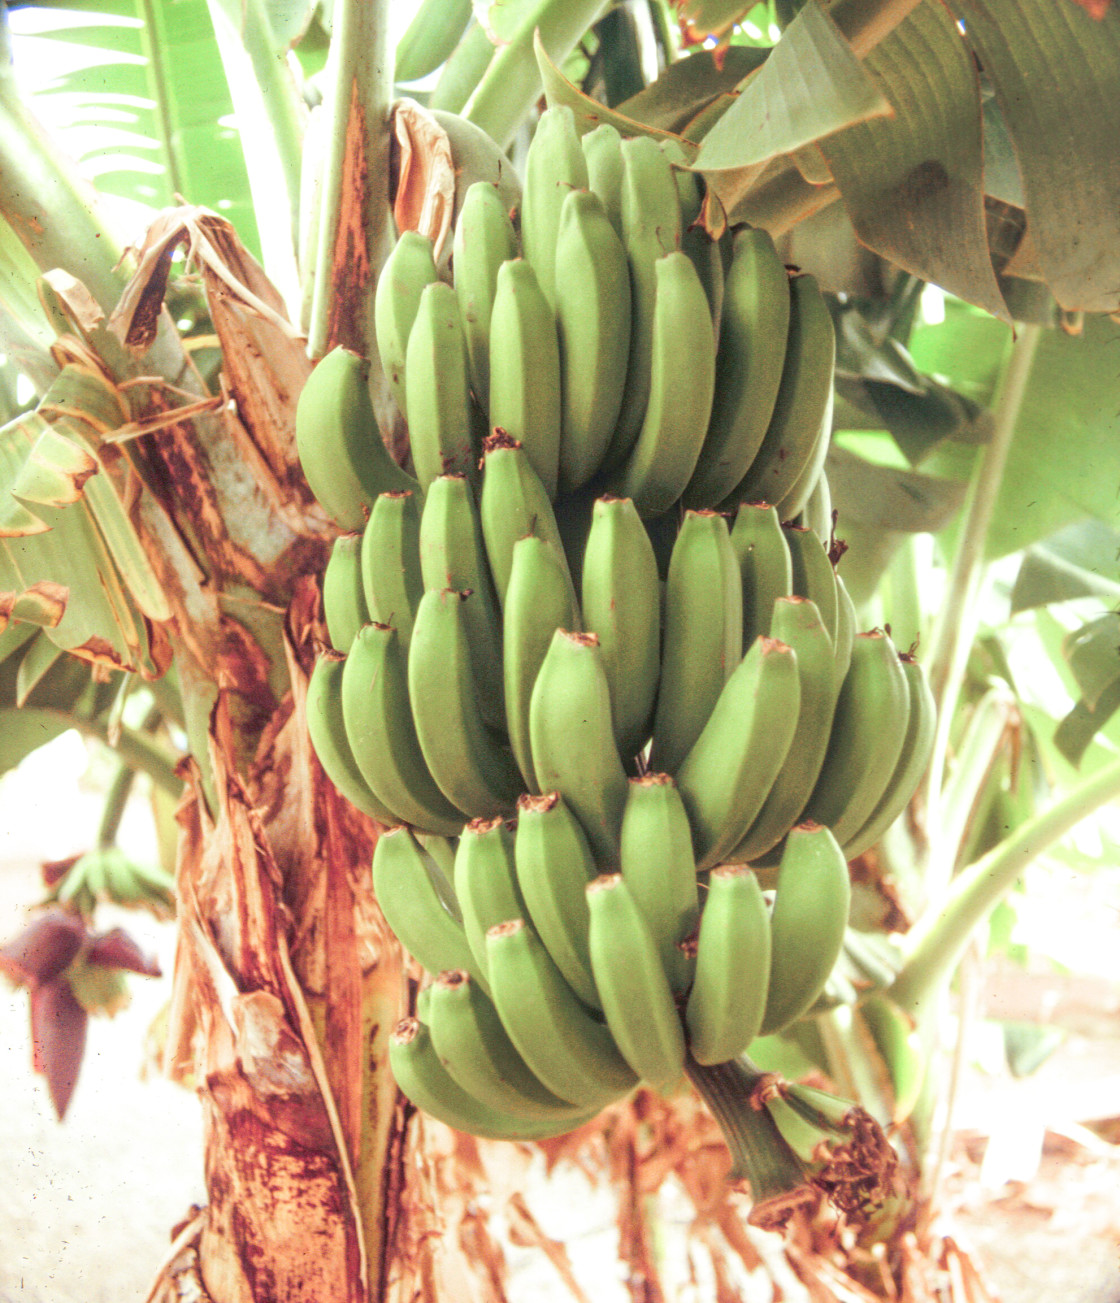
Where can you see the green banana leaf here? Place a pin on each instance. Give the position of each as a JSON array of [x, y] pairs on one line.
[[1082, 560]]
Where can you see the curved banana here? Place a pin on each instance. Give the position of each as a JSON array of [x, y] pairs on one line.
[[635, 993], [339, 443], [382, 736], [485, 877], [392, 584], [621, 602], [554, 866], [727, 775], [327, 728], [602, 151], [484, 239], [807, 923], [409, 268], [525, 369], [868, 732], [703, 635], [344, 605], [846, 620], [728, 997], [593, 327], [572, 739], [801, 490], [539, 600], [813, 575], [565, 1047], [754, 325], [681, 386], [441, 849], [443, 424], [555, 165], [471, 768], [659, 869], [765, 568]]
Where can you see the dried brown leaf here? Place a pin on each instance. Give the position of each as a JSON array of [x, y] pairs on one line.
[[424, 199]]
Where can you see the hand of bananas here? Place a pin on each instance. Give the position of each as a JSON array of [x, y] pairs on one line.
[[551, 645]]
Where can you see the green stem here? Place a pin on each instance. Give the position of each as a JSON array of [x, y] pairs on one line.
[[937, 942], [116, 800], [154, 52]]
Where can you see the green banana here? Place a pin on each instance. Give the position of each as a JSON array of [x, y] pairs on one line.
[[419, 904], [621, 602], [434, 32], [564, 1045], [593, 328], [911, 764], [602, 151], [794, 434], [409, 268], [798, 624], [453, 555], [379, 727], [328, 737], [554, 866], [727, 775], [754, 325], [572, 739], [817, 511], [651, 228], [478, 1054], [344, 605], [513, 504], [655, 856], [703, 251], [441, 849], [681, 386], [484, 239], [846, 621], [539, 600], [728, 997], [765, 567], [555, 166], [485, 876], [442, 421], [868, 732], [472, 769], [390, 562], [339, 443], [800, 491], [525, 369], [807, 923], [637, 1000], [703, 635], [813, 575]]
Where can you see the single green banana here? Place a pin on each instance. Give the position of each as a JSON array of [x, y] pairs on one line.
[[408, 270], [813, 575], [484, 239], [428, 1084], [801, 490], [564, 1045], [651, 228], [637, 999], [441, 849], [478, 1054], [472, 769], [572, 739], [453, 555], [419, 904], [378, 720], [727, 775], [392, 584], [846, 620], [868, 732], [593, 328], [807, 923], [798, 624], [434, 32], [555, 166], [681, 386], [513, 504], [816, 514], [911, 764], [793, 436], [327, 728], [602, 150], [339, 443], [344, 605], [765, 568], [728, 997], [554, 866], [443, 424], [485, 876], [703, 635], [754, 325], [525, 369], [659, 868], [539, 600]]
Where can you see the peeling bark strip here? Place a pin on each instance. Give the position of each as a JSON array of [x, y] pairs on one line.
[[351, 273]]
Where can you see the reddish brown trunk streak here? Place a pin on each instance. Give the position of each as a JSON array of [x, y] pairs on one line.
[[350, 263]]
